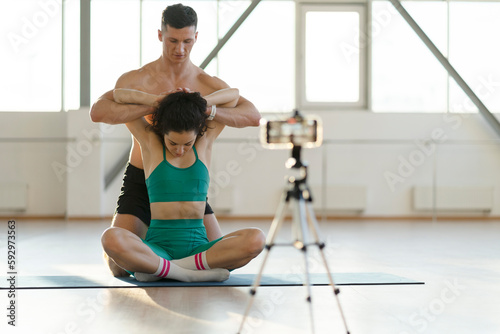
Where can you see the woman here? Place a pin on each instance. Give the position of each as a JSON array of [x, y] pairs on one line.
[[176, 151]]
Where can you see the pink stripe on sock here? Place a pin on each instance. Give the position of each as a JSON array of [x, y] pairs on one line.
[[196, 260], [168, 269], [201, 261], [165, 269]]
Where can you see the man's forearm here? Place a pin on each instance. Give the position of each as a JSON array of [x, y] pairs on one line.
[[110, 112], [243, 115]]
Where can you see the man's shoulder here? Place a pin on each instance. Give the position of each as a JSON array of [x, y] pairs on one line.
[[133, 78], [212, 82]]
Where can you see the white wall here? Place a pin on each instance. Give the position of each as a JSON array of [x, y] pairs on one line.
[[32, 162], [385, 153], [361, 148]]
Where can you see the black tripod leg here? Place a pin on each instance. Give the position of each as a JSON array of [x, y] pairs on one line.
[[273, 232], [314, 228]]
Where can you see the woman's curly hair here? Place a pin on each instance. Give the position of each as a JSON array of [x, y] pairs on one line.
[[180, 112]]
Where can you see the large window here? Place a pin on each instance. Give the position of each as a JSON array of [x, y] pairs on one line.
[[259, 58], [332, 56], [39, 64], [406, 77], [475, 53], [287, 54], [254, 60], [115, 42], [30, 61]]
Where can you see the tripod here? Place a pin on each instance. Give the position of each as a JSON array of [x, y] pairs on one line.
[[304, 221]]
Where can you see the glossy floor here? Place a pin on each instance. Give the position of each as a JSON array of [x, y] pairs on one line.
[[458, 261]]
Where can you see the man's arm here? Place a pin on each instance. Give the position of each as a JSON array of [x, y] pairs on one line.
[[243, 115], [106, 110], [226, 97]]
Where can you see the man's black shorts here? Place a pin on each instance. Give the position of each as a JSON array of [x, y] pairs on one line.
[[134, 199]]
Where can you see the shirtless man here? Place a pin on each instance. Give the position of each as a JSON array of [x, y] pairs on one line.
[[171, 71]]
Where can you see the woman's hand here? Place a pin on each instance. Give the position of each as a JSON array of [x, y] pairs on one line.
[[164, 94]]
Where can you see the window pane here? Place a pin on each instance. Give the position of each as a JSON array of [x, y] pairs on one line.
[[30, 61], [151, 22], [475, 53], [332, 68], [259, 60], [232, 63], [115, 47], [406, 77], [71, 55]]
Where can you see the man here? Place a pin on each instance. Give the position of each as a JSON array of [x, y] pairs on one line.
[[171, 71]]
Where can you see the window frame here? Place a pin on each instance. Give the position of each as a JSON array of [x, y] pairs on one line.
[[364, 49]]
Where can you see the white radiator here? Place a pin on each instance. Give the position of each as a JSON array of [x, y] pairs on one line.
[[453, 198], [339, 198], [13, 196]]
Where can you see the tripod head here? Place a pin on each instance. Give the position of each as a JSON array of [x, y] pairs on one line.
[[295, 161]]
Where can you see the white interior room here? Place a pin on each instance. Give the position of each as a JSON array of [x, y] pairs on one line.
[[409, 163]]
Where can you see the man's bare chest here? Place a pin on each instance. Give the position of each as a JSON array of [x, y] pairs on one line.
[[155, 85]]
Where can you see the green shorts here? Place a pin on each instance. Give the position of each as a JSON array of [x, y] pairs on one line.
[[177, 238]]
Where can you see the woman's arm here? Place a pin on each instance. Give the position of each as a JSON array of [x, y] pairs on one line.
[[134, 96], [139, 129], [139, 126], [239, 115], [212, 226], [242, 115], [227, 97], [107, 110]]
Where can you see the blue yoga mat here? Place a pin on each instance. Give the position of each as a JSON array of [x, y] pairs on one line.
[[82, 282]]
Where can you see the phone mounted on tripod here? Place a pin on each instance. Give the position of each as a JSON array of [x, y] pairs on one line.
[[288, 132], [284, 133]]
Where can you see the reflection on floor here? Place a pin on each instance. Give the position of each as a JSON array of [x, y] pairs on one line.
[[458, 261]]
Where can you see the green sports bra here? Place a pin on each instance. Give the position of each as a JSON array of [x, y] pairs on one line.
[[168, 183]]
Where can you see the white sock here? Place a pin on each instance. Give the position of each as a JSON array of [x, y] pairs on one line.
[[168, 269], [194, 262]]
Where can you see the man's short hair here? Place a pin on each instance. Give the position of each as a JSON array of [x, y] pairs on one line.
[[179, 16]]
